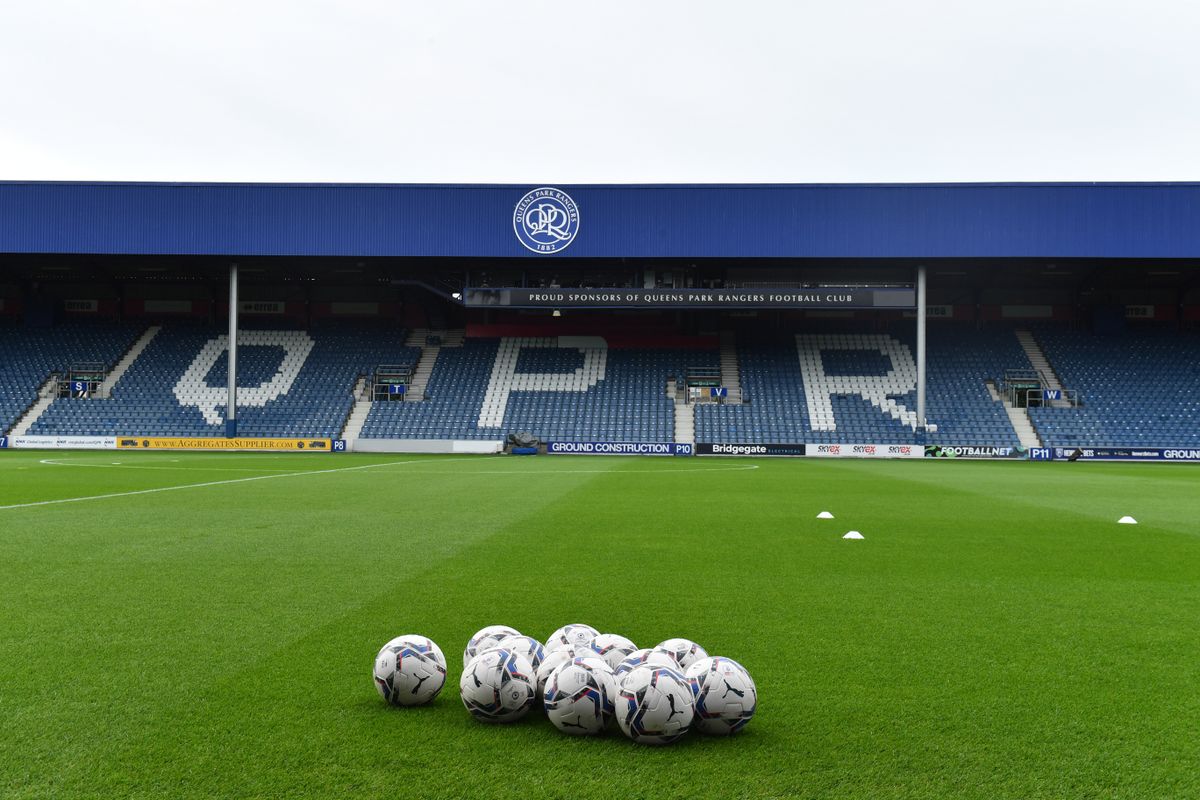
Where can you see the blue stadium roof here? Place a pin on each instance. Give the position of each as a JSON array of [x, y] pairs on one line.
[[1099, 220]]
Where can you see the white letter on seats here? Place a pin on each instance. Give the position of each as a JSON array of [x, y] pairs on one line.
[[192, 390], [505, 379], [819, 387]]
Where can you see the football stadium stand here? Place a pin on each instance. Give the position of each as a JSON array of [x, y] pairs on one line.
[[291, 384], [568, 388], [861, 388], [28, 356], [1139, 389]]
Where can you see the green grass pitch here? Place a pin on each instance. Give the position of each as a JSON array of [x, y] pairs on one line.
[[996, 634]]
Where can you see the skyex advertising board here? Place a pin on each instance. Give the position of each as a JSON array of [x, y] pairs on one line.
[[621, 448], [866, 450], [214, 443], [971, 451], [1130, 453], [64, 442], [748, 449]]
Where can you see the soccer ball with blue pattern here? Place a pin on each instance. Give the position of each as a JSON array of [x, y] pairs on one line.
[[725, 695], [409, 670], [486, 639], [554, 660], [684, 651], [498, 686], [573, 635], [527, 646], [613, 648], [654, 705], [646, 656], [579, 696]]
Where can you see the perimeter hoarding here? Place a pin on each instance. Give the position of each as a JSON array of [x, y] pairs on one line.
[[748, 449], [1129, 453], [973, 451], [216, 444], [866, 450], [63, 442], [620, 448]]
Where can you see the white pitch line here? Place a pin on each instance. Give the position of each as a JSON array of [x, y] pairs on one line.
[[684, 471], [199, 485], [54, 462], [229, 481]]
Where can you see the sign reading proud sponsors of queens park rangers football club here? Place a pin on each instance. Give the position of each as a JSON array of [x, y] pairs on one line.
[[799, 298]]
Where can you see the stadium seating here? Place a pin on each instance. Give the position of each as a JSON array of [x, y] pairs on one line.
[[850, 392], [489, 388], [29, 355], [293, 384], [1141, 389]]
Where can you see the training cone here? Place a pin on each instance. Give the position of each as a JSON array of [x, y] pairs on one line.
[[824, 515], [1127, 521], [853, 535]]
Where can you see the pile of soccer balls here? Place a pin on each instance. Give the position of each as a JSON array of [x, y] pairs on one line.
[[583, 678]]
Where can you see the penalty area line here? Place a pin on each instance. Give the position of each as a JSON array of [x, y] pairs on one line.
[[225, 482]]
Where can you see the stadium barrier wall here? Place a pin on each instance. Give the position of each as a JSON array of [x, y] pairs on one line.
[[621, 448], [742, 449], [866, 450], [427, 446], [973, 451], [1124, 453], [314, 445], [63, 442]]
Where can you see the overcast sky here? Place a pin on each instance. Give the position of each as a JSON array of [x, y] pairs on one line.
[[604, 91]]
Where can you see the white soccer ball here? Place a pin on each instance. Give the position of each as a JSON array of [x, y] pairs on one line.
[[684, 651], [554, 660], [647, 656], [527, 646], [573, 635], [485, 639], [613, 648], [654, 705], [724, 694], [409, 670], [579, 696], [498, 686]]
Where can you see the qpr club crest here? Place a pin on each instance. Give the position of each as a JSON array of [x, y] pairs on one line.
[[546, 220]]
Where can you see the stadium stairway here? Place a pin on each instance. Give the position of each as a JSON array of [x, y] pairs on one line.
[[431, 343], [1023, 425], [685, 423], [358, 413], [730, 370], [131, 355], [1041, 364], [46, 394]]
